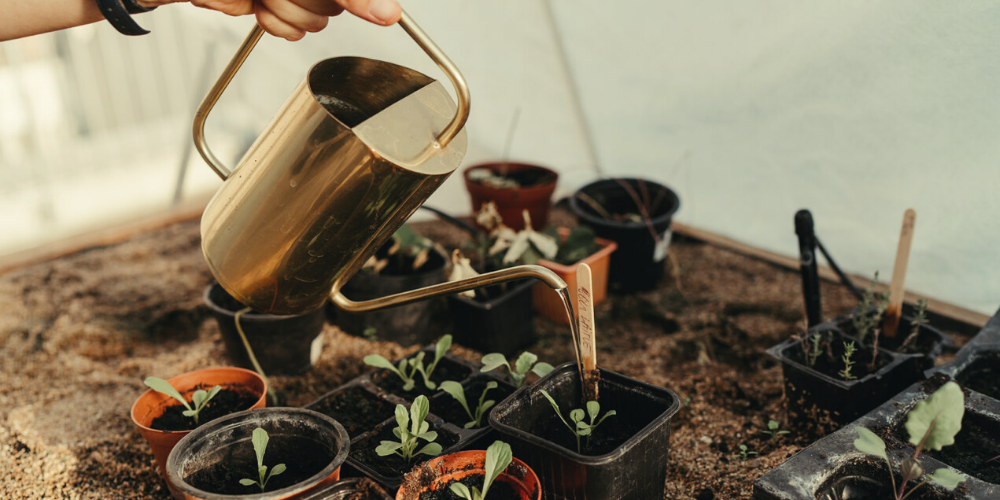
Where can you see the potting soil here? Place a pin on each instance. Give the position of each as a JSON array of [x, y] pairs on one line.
[[357, 410], [224, 402], [499, 490]]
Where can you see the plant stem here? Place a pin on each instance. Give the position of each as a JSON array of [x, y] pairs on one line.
[[509, 142]]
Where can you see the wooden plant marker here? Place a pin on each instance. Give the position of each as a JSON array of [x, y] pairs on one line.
[[588, 334], [890, 321]]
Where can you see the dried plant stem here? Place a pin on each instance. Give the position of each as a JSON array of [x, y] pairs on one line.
[[584, 197]]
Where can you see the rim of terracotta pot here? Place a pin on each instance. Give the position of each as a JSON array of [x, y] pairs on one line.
[[234, 420], [453, 466], [494, 165]]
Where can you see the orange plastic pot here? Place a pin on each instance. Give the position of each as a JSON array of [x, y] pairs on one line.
[[152, 404], [547, 302], [511, 202], [444, 470]]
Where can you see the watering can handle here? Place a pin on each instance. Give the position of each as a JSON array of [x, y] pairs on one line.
[[411, 28]]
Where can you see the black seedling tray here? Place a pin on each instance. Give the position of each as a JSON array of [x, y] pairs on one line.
[[379, 393]]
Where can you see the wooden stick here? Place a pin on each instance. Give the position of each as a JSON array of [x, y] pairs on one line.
[[890, 320], [588, 334]]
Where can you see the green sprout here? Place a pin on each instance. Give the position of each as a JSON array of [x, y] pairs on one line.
[[849, 350], [498, 456], [864, 322], [816, 350], [259, 440], [410, 428], [744, 454], [919, 319], [526, 362], [581, 428], [773, 429], [458, 392], [408, 368], [199, 399], [932, 425]]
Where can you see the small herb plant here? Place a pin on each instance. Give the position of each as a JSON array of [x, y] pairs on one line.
[[498, 457], [815, 350], [581, 428], [744, 453], [259, 440], [919, 319], [458, 392], [932, 425], [773, 429], [849, 350], [863, 322], [526, 363], [408, 368], [411, 427], [199, 399]]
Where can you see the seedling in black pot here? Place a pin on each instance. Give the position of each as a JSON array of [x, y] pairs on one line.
[[411, 427], [456, 391], [581, 428], [526, 363], [498, 456], [259, 440], [408, 369], [199, 399]]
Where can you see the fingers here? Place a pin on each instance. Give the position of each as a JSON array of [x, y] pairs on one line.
[[275, 25], [293, 15], [384, 12]]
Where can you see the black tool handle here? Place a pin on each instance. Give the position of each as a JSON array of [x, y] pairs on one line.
[[807, 265]]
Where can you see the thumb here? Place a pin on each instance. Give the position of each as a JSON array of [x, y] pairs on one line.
[[384, 12]]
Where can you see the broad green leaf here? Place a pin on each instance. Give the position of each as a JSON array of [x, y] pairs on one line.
[[402, 416], [378, 361], [408, 386], [442, 347], [586, 431], [428, 435], [593, 409], [398, 432], [277, 469], [262, 472], [247, 482], [461, 490], [542, 369], [492, 361], [772, 424], [938, 417], [199, 397], [498, 456], [423, 427], [212, 392], [487, 405], [418, 411], [432, 449], [868, 442], [947, 478], [456, 391], [524, 362], [576, 415], [470, 424], [610, 413], [164, 387], [556, 408], [259, 440], [189, 413], [387, 448]]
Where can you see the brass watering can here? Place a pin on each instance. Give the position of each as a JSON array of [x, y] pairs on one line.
[[353, 152]]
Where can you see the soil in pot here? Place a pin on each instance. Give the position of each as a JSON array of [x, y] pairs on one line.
[[304, 458], [499, 490], [446, 369], [393, 466], [226, 401], [452, 412], [830, 361], [975, 445], [983, 376], [356, 409]]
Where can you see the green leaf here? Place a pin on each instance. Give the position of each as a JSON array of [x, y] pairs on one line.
[[164, 387], [277, 469], [492, 361], [387, 448], [199, 397], [487, 405], [189, 413], [938, 417], [378, 361], [947, 478], [456, 391], [402, 417], [498, 456], [593, 409], [428, 435], [418, 412], [461, 490], [542, 369], [868, 442], [432, 449], [408, 386], [259, 440], [423, 427], [772, 424], [247, 482], [441, 347], [524, 362], [576, 415]]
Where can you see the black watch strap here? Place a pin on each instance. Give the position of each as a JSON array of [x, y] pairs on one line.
[[118, 13]]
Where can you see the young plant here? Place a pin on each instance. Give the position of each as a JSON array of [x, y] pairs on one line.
[[199, 399], [581, 428], [411, 427], [526, 363], [932, 425], [498, 457], [744, 454], [863, 321], [259, 440], [458, 392], [849, 350], [817, 348], [408, 369], [919, 319], [773, 429]]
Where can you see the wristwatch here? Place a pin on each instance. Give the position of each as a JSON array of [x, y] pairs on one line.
[[118, 13]]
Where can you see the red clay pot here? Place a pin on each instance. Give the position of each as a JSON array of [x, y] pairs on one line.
[[152, 404], [440, 472], [511, 202]]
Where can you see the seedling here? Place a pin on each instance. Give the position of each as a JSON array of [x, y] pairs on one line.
[[932, 425], [581, 428], [814, 341], [408, 369], [849, 350], [919, 319], [744, 454], [498, 457], [458, 392], [259, 440], [773, 429], [410, 428], [526, 363], [863, 321], [199, 399]]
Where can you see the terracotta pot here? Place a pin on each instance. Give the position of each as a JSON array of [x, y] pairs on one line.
[[444, 470], [152, 404], [547, 302], [511, 202], [209, 462]]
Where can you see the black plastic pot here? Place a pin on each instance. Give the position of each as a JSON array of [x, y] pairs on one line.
[[637, 265], [634, 469], [283, 345], [406, 324], [209, 462], [374, 419], [504, 324]]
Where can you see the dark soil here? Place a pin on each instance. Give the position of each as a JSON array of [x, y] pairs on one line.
[[367, 490], [303, 459], [867, 478], [446, 407], [925, 342], [446, 369], [499, 490], [393, 466], [830, 362], [983, 376], [975, 445], [614, 431], [226, 401], [356, 409]]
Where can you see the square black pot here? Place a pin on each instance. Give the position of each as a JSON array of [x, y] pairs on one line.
[[632, 470], [504, 324]]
